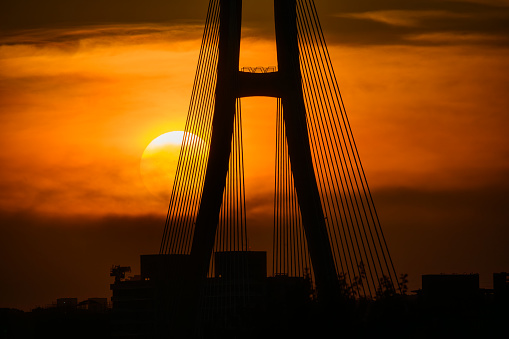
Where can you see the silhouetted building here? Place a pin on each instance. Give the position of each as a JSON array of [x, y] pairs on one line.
[[232, 301], [450, 285], [133, 307], [235, 264], [67, 304], [452, 294], [94, 305], [68, 319], [501, 285], [239, 281]]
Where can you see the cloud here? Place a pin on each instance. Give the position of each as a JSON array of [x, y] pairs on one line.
[[58, 14], [74, 38], [457, 38], [401, 17], [416, 22], [500, 3], [365, 22], [15, 15]]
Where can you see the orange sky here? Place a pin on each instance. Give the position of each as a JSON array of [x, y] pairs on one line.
[[79, 104]]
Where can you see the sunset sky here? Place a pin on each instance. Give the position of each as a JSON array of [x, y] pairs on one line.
[[85, 86]]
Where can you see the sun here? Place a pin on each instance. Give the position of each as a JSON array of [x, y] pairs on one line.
[[159, 162]]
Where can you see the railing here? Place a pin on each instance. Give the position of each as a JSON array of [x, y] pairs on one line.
[[259, 69]]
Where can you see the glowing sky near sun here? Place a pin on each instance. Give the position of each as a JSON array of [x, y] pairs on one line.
[[89, 113]]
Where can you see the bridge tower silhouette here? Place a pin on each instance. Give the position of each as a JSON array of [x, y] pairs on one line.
[[325, 221]]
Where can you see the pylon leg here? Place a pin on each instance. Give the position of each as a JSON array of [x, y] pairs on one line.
[[222, 133], [294, 114]]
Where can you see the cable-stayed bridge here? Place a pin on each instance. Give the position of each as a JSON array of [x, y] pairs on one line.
[[326, 228]]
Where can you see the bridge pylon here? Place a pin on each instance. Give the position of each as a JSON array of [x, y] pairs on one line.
[[325, 218]]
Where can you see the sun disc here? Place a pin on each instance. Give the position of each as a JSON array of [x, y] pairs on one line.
[[159, 161]]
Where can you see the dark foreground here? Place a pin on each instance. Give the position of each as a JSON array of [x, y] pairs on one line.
[[415, 316]]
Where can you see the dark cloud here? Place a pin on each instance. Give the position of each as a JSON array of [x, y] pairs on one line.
[[68, 38], [365, 22], [132, 33], [45, 257], [332, 6], [414, 22], [28, 14], [446, 231]]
